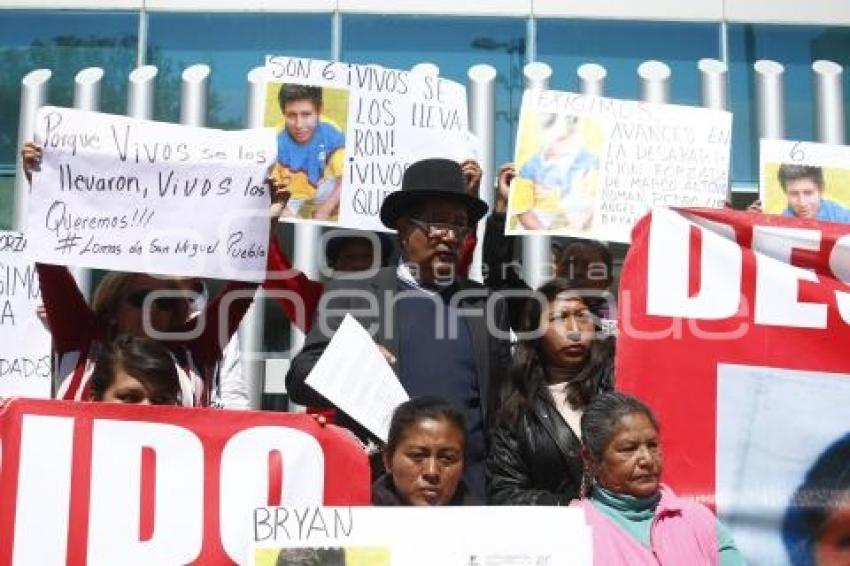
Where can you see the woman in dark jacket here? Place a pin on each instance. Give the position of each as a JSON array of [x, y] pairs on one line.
[[535, 449]]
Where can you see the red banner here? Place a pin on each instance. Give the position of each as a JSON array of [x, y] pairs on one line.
[[105, 483], [734, 328]]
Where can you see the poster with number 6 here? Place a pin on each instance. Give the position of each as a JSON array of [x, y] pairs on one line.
[[805, 180]]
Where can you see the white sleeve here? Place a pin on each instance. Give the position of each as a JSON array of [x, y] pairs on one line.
[[234, 392]]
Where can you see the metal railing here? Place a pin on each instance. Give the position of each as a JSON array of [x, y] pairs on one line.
[[654, 80]]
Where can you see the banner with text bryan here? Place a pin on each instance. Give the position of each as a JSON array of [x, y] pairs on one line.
[[732, 327], [104, 483], [591, 167], [347, 133], [24, 339], [134, 195], [406, 535]]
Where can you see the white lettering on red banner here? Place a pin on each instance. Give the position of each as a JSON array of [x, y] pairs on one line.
[[95, 483], [732, 328]]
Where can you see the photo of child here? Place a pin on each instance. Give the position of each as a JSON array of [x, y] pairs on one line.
[[556, 185], [311, 148], [804, 180], [803, 189]]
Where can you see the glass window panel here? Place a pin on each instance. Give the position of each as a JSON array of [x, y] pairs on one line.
[[232, 45], [454, 45], [64, 42], [795, 47], [621, 46], [7, 200]]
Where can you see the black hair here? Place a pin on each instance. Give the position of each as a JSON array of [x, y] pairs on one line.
[[826, 482], [527, 374], [144, 359], [566, 258], [793, 172], [602, 417], [335, 244], [292, 92], [418, 409]]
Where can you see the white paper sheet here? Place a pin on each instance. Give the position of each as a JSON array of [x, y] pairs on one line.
[[353, 374]]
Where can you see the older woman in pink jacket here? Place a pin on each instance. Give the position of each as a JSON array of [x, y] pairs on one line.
[[634, 518]]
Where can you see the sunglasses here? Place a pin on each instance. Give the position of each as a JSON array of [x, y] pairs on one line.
[[137, 299]]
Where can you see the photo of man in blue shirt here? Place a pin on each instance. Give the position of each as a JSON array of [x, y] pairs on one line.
[[803, 186], [310, 154]]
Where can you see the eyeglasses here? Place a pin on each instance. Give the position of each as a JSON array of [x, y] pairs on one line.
[[440, 229], [137, 298]]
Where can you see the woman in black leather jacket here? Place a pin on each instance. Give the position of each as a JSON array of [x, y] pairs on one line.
[[535, 449]]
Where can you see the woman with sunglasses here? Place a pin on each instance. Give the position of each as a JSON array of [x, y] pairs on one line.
[[141, 305]]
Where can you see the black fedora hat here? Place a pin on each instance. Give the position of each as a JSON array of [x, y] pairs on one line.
[[430, 179]]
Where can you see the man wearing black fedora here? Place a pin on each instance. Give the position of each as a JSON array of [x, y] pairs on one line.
[[442, 334]]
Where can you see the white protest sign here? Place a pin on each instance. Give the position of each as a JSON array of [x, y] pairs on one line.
[[133, 195], [816, 179], [24, 339], [412, 536], [345, 146], [591, 167], [354, 375]]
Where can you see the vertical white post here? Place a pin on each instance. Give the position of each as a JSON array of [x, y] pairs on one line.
[[253, 325], [87, 85], [33, 97], [714, 90], [536, 249], [770, 99], [481, 98], [713, 84], [829, 102], [141, 92], [193, 95], [591, 79], [654, 82]]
